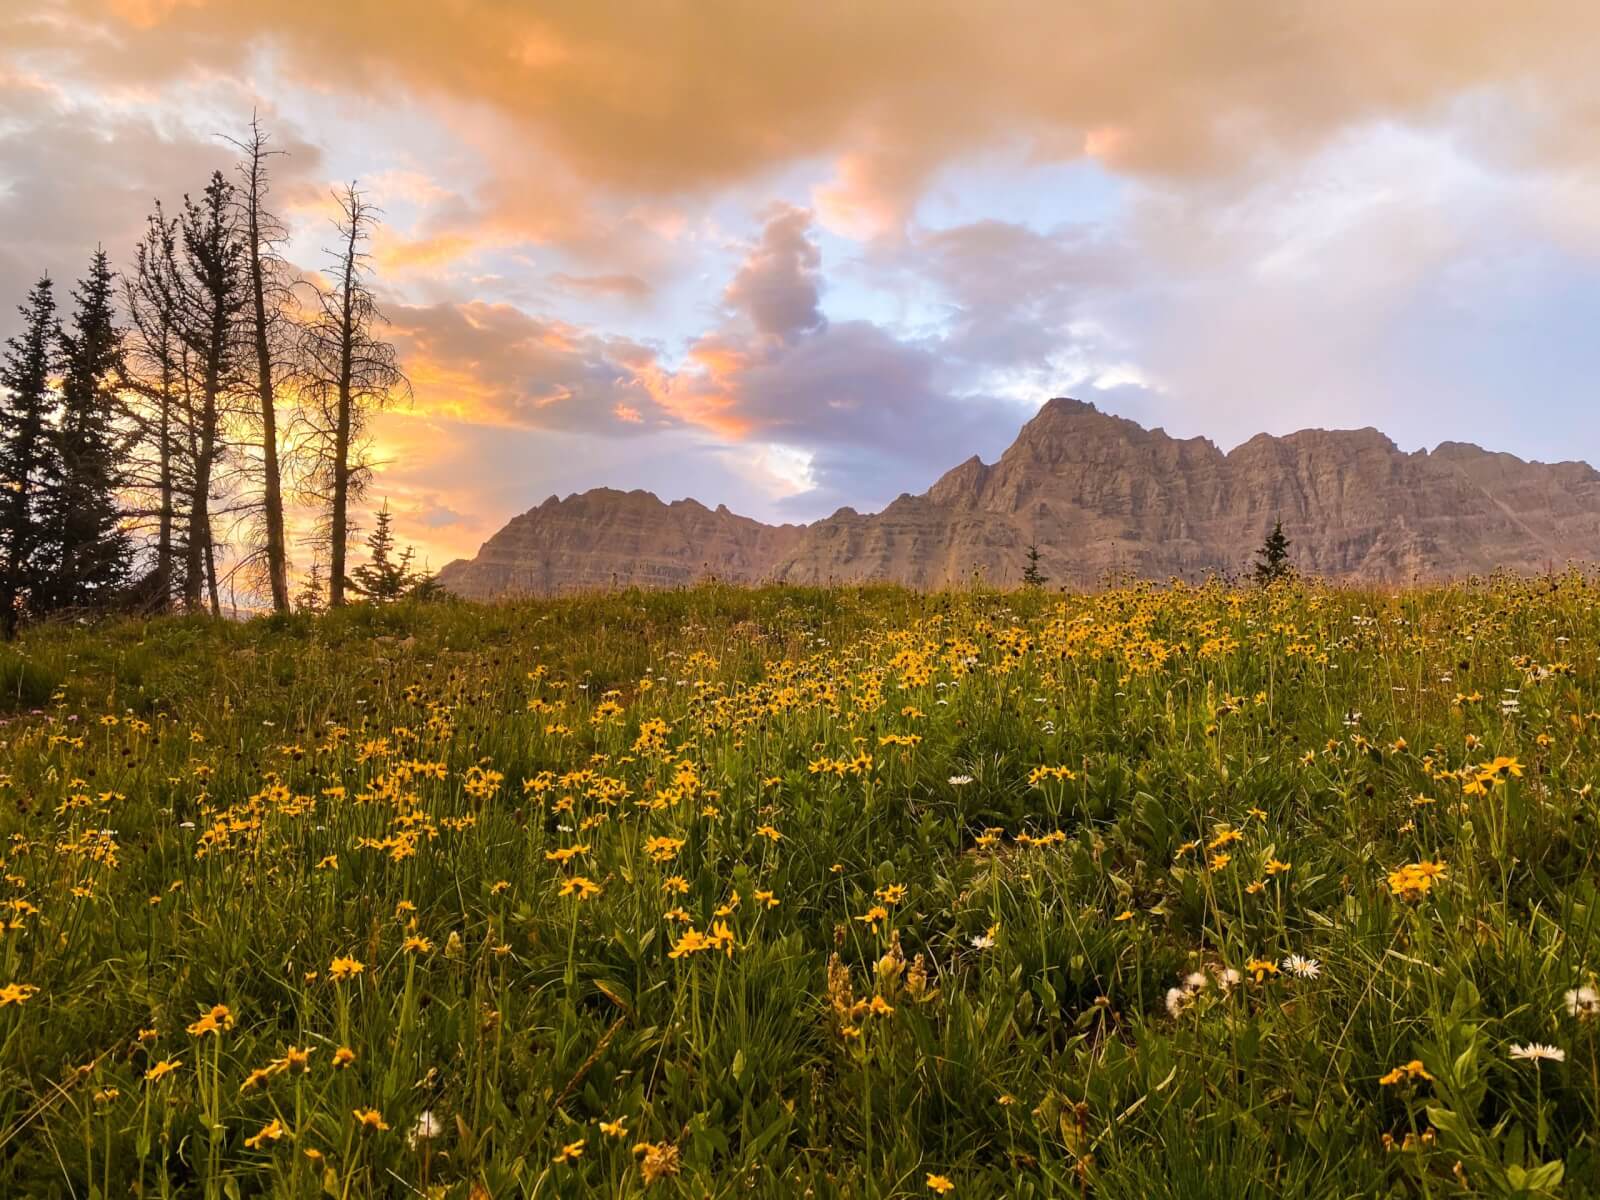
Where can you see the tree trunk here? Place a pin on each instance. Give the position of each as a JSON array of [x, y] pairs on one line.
[[164, 529], [271, 487], [201, 552], [16, 524], [211, 573], [195, 552], [8, 577], [340, 520]]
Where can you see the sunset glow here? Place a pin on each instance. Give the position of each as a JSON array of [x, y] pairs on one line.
[[847, 599], [792, 257]]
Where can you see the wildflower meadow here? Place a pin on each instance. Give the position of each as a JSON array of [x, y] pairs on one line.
[[1171, 891]]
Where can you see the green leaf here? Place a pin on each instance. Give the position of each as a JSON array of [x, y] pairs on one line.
[[1465, 1002], [1546, 1177]]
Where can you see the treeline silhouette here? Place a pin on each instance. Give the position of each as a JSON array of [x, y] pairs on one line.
[[152, 438]]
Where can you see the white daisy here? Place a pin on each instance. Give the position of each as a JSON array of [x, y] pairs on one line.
[[1305, 968], [425, 1130], [1534, 1052], [1582, 1002]]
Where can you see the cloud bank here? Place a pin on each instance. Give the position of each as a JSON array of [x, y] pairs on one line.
[[796, 256]]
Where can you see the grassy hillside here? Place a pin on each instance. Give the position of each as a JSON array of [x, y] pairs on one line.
[[791, 892]]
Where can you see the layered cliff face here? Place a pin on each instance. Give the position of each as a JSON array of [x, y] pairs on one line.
[[1097, 494], [605, 537]]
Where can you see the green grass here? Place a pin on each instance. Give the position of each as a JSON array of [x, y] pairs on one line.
[[198, 814]]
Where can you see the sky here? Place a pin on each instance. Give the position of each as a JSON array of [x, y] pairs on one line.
[[793, 256]]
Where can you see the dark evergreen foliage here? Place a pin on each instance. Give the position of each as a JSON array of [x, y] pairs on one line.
[[1272, 560], [181, 404], [1031, 575], [93, 551], [385, 577], [30, 469]]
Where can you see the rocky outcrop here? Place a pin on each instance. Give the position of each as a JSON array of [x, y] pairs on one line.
[[1098, 495], [605, 537]]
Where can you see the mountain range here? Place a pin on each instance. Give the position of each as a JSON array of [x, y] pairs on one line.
[[1098, 495]]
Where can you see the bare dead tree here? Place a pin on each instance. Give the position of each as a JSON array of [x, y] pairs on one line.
[[208, 295], [350, 372], [153, 393], [266, 316]]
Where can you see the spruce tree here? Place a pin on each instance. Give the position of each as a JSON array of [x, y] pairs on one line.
[[313, 590], [29, 470], [1272, 560], [93, 549], [383, 578], [426, 586], [1031, 574]]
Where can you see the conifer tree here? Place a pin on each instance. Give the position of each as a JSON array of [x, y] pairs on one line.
[[1031, 575], [29, 469], [1272, 560], [312, 596], [426, 586], [384, 577], [93, 551]]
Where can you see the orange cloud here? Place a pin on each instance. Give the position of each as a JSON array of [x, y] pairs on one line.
[[145, 14], [662, 98], [873, 188], [622, 286], [394, 252], [495, 364], [1104, 142], [771, 369]]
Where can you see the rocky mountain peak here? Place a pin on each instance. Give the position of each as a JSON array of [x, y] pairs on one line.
[[1098, 494], [960, 484]]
